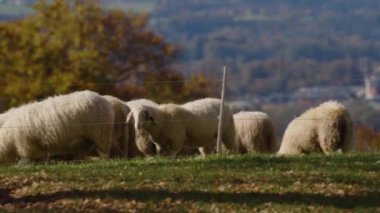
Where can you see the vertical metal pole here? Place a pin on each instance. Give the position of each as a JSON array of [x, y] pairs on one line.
[[220, 126]]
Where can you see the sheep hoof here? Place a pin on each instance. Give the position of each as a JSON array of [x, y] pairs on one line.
[[24, 162]]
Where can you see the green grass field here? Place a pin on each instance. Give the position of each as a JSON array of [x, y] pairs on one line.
[[312, 183]]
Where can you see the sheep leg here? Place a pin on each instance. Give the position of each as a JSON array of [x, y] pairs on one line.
[[228, 140], [24, 162], [202, 152], [330, 137]]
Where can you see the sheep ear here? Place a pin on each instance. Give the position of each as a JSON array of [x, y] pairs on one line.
[[130, 118], [148, 117], [151, 119]]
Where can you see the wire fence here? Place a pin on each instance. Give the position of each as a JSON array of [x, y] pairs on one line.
[[41, 124], [174, 120], [101, 84], [352, 80], [46, 125], [48, 160]]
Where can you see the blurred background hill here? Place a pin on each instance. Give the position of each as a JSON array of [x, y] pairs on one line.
[[270, 46], [283, 55]]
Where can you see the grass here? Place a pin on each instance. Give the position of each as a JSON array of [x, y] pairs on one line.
[[242, 183]]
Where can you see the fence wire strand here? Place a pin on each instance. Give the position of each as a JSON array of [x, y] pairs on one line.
[[171, 121], [46, 127], [133, 83]]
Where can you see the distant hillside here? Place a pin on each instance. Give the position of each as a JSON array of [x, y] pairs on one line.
[[128, 5], [270, 46], [19, 8], [274, 45]]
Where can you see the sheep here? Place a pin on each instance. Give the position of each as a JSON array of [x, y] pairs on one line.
[[5, 115], [193, 124], [166, 126], [254, 132], [325, 129], [205, 130], [62, 125], [140, 141], [203, 151], [119, 146]]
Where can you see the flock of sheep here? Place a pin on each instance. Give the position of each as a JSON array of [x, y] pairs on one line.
[[84, 123]]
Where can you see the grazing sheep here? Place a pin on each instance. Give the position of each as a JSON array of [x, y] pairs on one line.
[[254, 132], [204, 131], [5, 115], [62, 125], [164, 126], [139, 102], [140, 141], [194, 124], [119, 146], [325, 128], [195, 151], [188, 151]]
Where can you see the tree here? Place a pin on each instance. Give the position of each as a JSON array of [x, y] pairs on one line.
[[367, 139], [70, 45], [199, 87]]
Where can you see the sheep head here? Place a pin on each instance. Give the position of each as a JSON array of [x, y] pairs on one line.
[[143, 117]]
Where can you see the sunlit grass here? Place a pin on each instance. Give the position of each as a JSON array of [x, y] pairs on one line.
[[240, 182]]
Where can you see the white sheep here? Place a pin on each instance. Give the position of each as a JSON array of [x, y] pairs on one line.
[[254, 132], [140, 141], [120, 143], [325, 128], [62, 125], [205, 131], [166, 125], [119, 146], [5, 115], [194, 124]]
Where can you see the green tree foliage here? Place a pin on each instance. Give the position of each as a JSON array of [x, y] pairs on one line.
[[70, 45]]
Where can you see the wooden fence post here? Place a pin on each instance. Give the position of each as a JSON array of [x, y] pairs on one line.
[[220, 125]]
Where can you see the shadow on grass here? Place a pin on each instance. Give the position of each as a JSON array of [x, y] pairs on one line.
[[371, 200]]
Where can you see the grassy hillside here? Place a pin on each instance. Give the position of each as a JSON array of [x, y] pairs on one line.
[[243, 183]]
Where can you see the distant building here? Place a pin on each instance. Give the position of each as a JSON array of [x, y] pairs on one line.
[[313, 96], [372, 85], [309, 96], [278, 98], [237, 106], [320, 94], [245, 103]]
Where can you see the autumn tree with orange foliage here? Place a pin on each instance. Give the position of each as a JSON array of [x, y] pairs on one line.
[[71, 45], [367, 139]]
